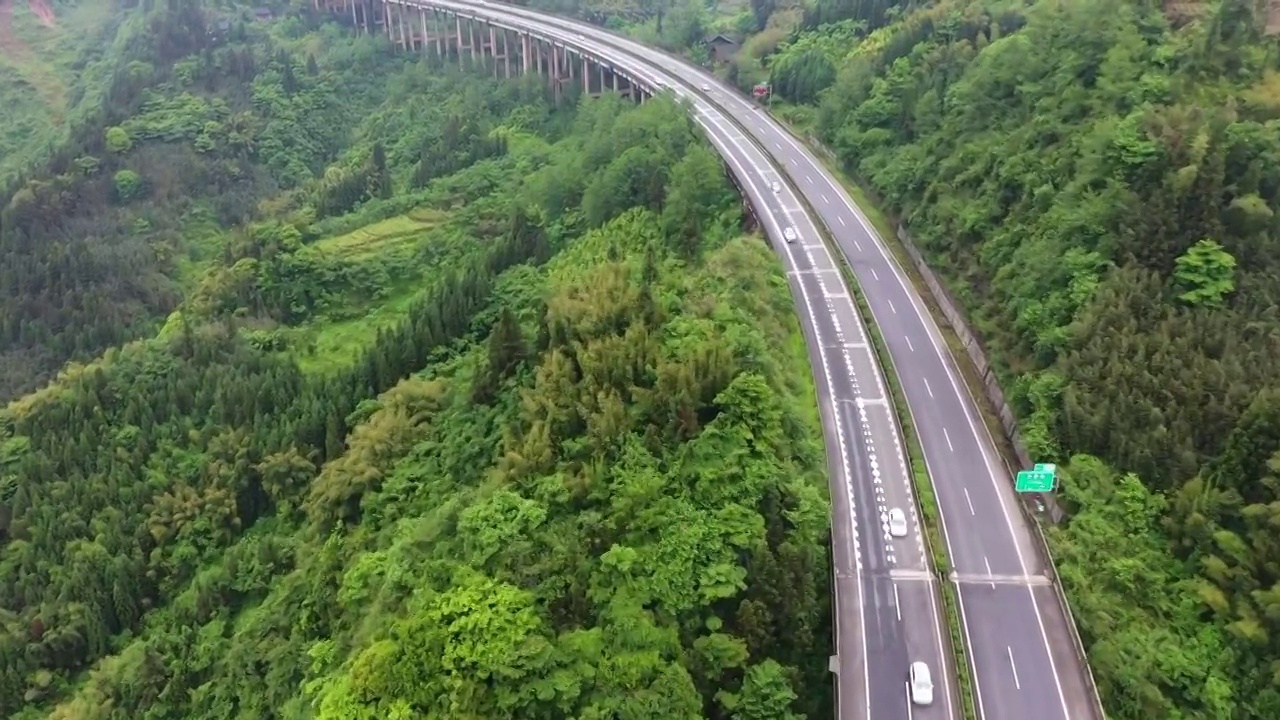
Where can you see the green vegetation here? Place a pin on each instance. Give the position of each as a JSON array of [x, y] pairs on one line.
[[478, 407], [677, 25], [1093, 180], [48, 73], [1097, 181], [185, 118], [439, 358]]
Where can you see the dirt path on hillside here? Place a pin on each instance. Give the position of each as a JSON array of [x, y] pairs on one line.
[[27, 64]]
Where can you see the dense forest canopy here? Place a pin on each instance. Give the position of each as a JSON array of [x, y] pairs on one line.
[[462, 404]]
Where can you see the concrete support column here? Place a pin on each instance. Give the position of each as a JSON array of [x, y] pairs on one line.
[[586, 77], [475, 51], [555, 66], [438, 26], [506, 53], [393, 25], [493, 48], [400, 26], [457, 26], [406, 27], [524, 53], [386, 20]]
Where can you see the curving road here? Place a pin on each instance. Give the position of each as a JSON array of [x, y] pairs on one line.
[[1020, 648], [886, 606]]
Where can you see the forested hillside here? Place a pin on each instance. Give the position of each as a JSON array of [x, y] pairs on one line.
[[1097, 180], [494, 414], [176, 121]]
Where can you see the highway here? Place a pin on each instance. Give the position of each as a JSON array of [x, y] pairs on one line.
[[1020, 647]]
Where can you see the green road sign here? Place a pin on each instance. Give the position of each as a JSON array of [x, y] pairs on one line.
[[1040, 478]]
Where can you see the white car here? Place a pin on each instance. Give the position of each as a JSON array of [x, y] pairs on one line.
[[790, 235], [706, 87], [579, 36], [897, 522], [920, 686], [777, 188]]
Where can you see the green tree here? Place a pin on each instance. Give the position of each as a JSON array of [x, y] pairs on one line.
[[128, 185], [1206, 274], [766, 694], [379, 176], [697, 188], [507, 349], [118, 140]]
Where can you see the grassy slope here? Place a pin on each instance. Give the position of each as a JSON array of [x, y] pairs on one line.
[[394, 240]]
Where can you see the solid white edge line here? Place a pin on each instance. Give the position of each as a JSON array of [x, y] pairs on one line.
[[1014, 667]]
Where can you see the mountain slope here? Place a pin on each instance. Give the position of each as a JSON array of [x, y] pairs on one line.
[[472, 376], [195, 116]]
